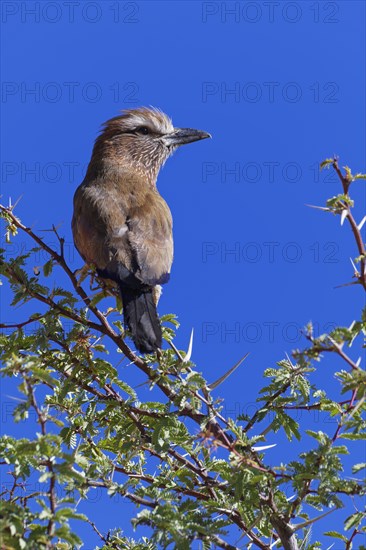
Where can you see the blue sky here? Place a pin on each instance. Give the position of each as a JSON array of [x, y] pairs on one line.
[[280, 86]]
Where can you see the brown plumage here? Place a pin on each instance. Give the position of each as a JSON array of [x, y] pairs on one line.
[[121, 224]]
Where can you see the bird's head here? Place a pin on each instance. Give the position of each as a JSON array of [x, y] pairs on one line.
[[143, 138]]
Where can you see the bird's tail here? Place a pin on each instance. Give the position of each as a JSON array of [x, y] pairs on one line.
[[141, 318]]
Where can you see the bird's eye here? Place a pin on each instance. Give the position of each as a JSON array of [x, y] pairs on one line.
[[142, 130]]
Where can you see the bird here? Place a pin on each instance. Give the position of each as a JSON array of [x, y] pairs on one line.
[[121, 225]]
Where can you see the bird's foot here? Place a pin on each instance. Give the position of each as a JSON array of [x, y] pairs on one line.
[[81, 274]]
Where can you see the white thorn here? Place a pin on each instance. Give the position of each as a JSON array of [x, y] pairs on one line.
[[353, 265], [318, 207], [360, 225], [290, 498], [263, 447], [335, 344], [289, 360], [299, 526], [358, 362], [222, 378], [351, 325], [10, 205], [190, 347], [16, 202], [344, 216], [358, 406]]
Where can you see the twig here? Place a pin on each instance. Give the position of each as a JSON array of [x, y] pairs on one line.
[[349, 542], [356, 231]]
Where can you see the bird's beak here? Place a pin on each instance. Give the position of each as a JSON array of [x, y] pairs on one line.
[[181, 136]]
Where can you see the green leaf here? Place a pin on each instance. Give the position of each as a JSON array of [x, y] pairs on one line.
[[68, 513], [348, 173], [126, 388], [357, 467], [354, 520], [359, 177], [326, 163], [47, 268], [336, 535], [353, 437]]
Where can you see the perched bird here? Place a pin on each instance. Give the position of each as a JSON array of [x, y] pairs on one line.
[[121, 224]]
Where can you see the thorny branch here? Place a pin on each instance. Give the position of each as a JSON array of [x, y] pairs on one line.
[[206, 488], [346, 182], [105, 328], [42, 419]]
